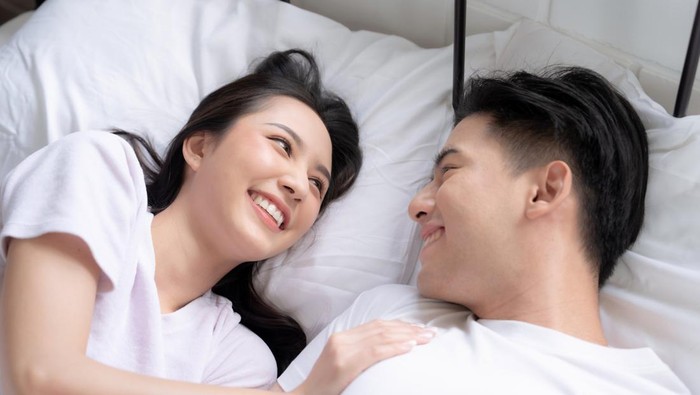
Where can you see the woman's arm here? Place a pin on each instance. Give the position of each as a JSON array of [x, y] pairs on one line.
[[47, 302]]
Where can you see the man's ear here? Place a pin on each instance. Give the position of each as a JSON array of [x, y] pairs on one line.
[[193, 149], [552, 186]]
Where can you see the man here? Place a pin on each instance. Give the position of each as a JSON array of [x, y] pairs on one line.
[[538, 190]]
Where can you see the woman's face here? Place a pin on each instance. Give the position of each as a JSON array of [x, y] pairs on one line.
[[259, 187]]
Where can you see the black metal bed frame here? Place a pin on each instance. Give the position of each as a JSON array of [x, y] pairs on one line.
[[685, 86], [690, 66]]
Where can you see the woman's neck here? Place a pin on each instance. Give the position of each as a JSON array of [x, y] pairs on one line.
[[185, 267]]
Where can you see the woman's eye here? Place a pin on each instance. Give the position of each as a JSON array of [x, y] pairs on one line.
[[283, 143], [317, 183]]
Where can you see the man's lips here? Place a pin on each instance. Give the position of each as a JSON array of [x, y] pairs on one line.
[[429, 231]]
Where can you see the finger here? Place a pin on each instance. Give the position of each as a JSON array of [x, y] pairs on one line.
[[377, 327], [370, 354], [387, 331], [381, 351], [346, 354]]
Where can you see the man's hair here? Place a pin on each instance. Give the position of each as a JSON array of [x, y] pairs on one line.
[[574, 115]]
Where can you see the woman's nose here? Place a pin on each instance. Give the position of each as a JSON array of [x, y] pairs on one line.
[[295, 183]]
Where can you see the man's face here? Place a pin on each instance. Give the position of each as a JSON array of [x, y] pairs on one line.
[[469, 214]]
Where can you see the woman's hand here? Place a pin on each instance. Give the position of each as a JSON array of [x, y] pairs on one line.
[[350, 352]]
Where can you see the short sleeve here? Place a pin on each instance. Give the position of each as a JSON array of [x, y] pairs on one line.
[[205, 342], [87, 184]]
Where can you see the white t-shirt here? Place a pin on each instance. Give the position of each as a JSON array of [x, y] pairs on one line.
[[471, 356], [90, 184]]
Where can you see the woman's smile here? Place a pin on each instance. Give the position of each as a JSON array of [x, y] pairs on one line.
[[273, 214]]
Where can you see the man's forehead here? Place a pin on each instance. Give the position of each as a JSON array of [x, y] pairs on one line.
[[472, 127]]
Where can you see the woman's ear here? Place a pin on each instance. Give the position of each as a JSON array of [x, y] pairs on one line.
[[193, 149], [551, 188]]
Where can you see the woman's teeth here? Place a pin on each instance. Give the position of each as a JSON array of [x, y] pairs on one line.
[[269, 207]]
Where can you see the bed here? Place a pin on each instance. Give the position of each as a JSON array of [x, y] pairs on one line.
[[77, 65]]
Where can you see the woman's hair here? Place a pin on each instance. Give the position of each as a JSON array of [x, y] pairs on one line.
[[294, 74], [574, 115]]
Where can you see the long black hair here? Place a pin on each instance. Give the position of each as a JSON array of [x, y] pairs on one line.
[[292, 73]]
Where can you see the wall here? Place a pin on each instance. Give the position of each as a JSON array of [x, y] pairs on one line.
[[11, 8], [648, 36]]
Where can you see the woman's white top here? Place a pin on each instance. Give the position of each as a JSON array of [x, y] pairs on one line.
[[90, 184]]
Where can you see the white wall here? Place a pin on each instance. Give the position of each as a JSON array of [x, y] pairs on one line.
[[648, 36]]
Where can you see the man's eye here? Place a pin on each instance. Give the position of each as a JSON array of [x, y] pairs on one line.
[[445, 169], [283, 143]]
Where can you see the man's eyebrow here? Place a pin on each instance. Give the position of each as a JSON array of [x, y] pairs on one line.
[[443, 153], [300, 143]]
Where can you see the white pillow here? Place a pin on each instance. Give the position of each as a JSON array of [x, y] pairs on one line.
[[653, 298], [143, 66]]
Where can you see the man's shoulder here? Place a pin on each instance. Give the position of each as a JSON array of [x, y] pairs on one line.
[[382, 292], [402, 301]]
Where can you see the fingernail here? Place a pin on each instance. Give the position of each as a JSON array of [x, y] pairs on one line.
[[433, 330], [411, 343]]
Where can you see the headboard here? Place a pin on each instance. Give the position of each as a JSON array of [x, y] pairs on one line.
[[656, 56], [685, 85]]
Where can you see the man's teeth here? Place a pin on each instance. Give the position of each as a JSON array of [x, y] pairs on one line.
[[433, 236], [269, 207]]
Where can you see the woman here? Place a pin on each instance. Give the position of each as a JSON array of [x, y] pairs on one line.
[[108, 278]]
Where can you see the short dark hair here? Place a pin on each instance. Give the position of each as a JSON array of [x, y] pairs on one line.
[[575, 115]]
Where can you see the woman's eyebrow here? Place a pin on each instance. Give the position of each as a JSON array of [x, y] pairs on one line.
[[289, 131], [321, 168]]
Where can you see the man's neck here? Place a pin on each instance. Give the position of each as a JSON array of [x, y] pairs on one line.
[[563, 296]]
